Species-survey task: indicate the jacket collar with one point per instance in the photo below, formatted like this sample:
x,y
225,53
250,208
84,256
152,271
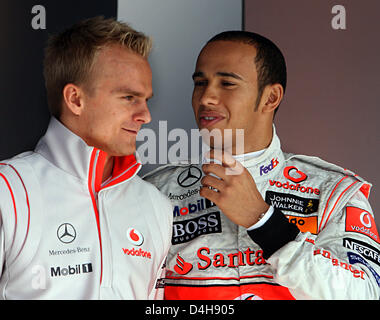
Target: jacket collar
x,y
268,163
70,153
264,165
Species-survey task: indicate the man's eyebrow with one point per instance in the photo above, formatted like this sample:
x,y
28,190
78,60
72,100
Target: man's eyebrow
x,y
128,91
125,90
200,74
229,74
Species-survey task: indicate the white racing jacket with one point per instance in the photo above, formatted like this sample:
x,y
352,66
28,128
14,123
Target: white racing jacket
x,y
64,235
320,243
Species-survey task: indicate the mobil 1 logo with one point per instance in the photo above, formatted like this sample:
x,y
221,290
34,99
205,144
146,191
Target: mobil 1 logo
x,y
70,270
192,207
187,230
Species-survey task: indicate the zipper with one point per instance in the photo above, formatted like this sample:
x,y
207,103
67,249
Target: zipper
x,y
94,198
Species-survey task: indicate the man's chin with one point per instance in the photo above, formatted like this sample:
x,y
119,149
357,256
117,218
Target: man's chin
x,y
127,153
118,152
213,137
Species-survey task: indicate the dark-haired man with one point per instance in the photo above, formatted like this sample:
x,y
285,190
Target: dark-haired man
x,y
265,224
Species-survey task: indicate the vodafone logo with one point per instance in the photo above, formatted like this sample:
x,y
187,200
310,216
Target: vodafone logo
x,y
295,175
135,237
361,221
365,219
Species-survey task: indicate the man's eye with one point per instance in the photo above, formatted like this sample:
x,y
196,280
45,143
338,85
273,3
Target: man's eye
x,y
228,84
129,98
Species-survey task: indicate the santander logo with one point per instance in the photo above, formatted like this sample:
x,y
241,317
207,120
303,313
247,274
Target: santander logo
x,y
248,296
182,267
135,237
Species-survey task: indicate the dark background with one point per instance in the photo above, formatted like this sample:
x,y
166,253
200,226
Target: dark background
x,y
331,105
24,114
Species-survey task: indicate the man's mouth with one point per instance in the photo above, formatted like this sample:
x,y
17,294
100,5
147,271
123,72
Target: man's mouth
x,y
209,119
131,131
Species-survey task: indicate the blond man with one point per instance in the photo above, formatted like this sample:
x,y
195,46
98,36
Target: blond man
x,y
76,222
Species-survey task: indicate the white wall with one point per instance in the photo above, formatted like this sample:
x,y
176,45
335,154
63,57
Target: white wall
x,y
179,29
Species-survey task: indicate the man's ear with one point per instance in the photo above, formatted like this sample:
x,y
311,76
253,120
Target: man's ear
x,y
73,98
272,97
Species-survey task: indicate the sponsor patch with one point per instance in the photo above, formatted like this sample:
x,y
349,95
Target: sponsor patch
x,y
266,169
182,267
305,224
355,258
234,259
137,253
183,196
296,187
295,175
361,221
135,236
206,259
70,270
187,230
337,263
189,176
192,207
367,251
289,202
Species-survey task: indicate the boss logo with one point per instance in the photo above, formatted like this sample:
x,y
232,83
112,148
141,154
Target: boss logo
x,y
186,230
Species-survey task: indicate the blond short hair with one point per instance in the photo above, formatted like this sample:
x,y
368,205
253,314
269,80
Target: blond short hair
x,y
69,56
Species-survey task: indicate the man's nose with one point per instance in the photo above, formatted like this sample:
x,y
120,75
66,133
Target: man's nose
x,y
209,96
143,115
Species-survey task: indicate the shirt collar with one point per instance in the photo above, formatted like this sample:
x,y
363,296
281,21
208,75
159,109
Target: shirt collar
x,y
67,151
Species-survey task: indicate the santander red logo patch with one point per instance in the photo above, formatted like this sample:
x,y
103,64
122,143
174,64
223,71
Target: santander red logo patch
x,y
135,237
182,267
295,175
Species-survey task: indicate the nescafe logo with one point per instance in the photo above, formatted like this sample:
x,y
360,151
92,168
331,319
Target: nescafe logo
x,y
135,236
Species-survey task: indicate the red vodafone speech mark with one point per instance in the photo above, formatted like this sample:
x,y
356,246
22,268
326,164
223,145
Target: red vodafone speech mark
x,y
134,236
295,172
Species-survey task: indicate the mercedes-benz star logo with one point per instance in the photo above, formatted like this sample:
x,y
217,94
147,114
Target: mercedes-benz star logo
x,y
66,233
189,177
